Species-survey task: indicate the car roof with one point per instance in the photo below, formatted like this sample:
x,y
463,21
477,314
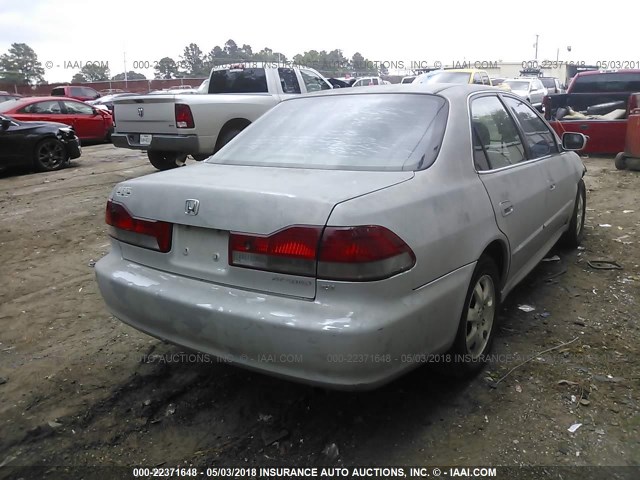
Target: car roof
x,y
464,70
26,100
447,90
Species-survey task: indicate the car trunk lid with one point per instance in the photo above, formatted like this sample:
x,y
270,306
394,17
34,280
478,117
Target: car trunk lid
x,y
252,200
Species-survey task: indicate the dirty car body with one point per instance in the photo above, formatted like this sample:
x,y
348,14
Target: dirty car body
x,y
338,236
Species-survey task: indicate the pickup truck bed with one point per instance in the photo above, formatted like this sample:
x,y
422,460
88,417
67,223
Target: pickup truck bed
x,y
605,136
597,104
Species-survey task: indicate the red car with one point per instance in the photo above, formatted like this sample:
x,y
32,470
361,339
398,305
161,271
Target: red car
x,y
88,122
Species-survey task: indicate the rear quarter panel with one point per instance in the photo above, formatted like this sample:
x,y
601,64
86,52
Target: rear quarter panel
x,y
444,213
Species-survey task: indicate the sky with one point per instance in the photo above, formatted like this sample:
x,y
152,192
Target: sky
x,y
65,33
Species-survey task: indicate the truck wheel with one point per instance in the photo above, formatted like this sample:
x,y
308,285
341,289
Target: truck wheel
x,y
166,160
621,161
226,137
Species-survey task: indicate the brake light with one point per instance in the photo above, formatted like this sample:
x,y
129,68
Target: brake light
x,y
368,252
292,250
361,253
152,234
184,118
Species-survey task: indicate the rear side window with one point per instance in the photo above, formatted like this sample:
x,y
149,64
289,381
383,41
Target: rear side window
x,y
241,80
49,107
58,91
607,82
288,80
539,139
495,137
344,132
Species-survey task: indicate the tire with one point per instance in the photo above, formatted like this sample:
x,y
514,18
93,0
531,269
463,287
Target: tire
x,y
166,160
478,319
226,137
621,161
50,155
200,158
574,235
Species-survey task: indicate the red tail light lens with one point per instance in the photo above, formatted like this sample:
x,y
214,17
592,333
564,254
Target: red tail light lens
x,y
151,234
184,118
369,252
340,253
292,250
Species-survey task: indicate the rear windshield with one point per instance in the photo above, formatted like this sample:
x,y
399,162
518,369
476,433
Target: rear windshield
x,y
344,132
245,80
408,80
517,85
58,91
607,82
449,77
548,82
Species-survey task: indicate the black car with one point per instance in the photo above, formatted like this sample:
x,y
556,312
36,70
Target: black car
x,y
47,146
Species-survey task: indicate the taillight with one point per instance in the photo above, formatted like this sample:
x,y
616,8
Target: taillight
x,y
184,118
144,233
292,250
359,253
368,252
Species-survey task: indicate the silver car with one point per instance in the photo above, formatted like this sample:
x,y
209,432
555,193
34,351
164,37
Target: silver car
x,y
349,235
531,89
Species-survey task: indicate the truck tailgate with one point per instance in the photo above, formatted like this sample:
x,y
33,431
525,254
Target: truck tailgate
x,y
145,114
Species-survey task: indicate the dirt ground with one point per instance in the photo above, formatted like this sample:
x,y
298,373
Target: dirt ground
x,y
78,387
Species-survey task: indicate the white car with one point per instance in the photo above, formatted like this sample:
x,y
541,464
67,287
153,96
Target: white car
x,y
531,89
368,82
348,235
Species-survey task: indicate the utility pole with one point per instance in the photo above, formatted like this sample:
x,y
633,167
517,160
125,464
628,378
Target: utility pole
x,y
124,55
537,47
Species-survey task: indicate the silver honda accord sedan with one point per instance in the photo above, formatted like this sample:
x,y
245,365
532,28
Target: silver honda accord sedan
x,y
347,235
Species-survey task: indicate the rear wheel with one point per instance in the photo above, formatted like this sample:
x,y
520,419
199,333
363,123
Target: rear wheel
x,y
166,160
573,236
621,161
478,320
50,155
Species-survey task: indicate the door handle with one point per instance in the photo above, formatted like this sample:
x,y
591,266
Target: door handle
x,y
507,208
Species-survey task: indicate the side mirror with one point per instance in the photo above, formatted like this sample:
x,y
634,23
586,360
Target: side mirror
x,y
6,123
573,141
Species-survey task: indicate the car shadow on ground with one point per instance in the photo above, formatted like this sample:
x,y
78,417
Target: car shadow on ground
x,y
237,412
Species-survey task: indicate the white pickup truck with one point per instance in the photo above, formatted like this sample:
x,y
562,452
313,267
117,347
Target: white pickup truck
x,y
171,127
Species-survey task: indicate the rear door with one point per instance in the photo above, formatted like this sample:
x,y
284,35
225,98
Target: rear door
x,y
86,123
516,186
540,143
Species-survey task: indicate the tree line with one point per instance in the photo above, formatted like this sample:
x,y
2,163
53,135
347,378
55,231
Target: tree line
x,y
20,65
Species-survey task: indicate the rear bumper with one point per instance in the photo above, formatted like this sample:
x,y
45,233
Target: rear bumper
x,y
345,342
167,143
